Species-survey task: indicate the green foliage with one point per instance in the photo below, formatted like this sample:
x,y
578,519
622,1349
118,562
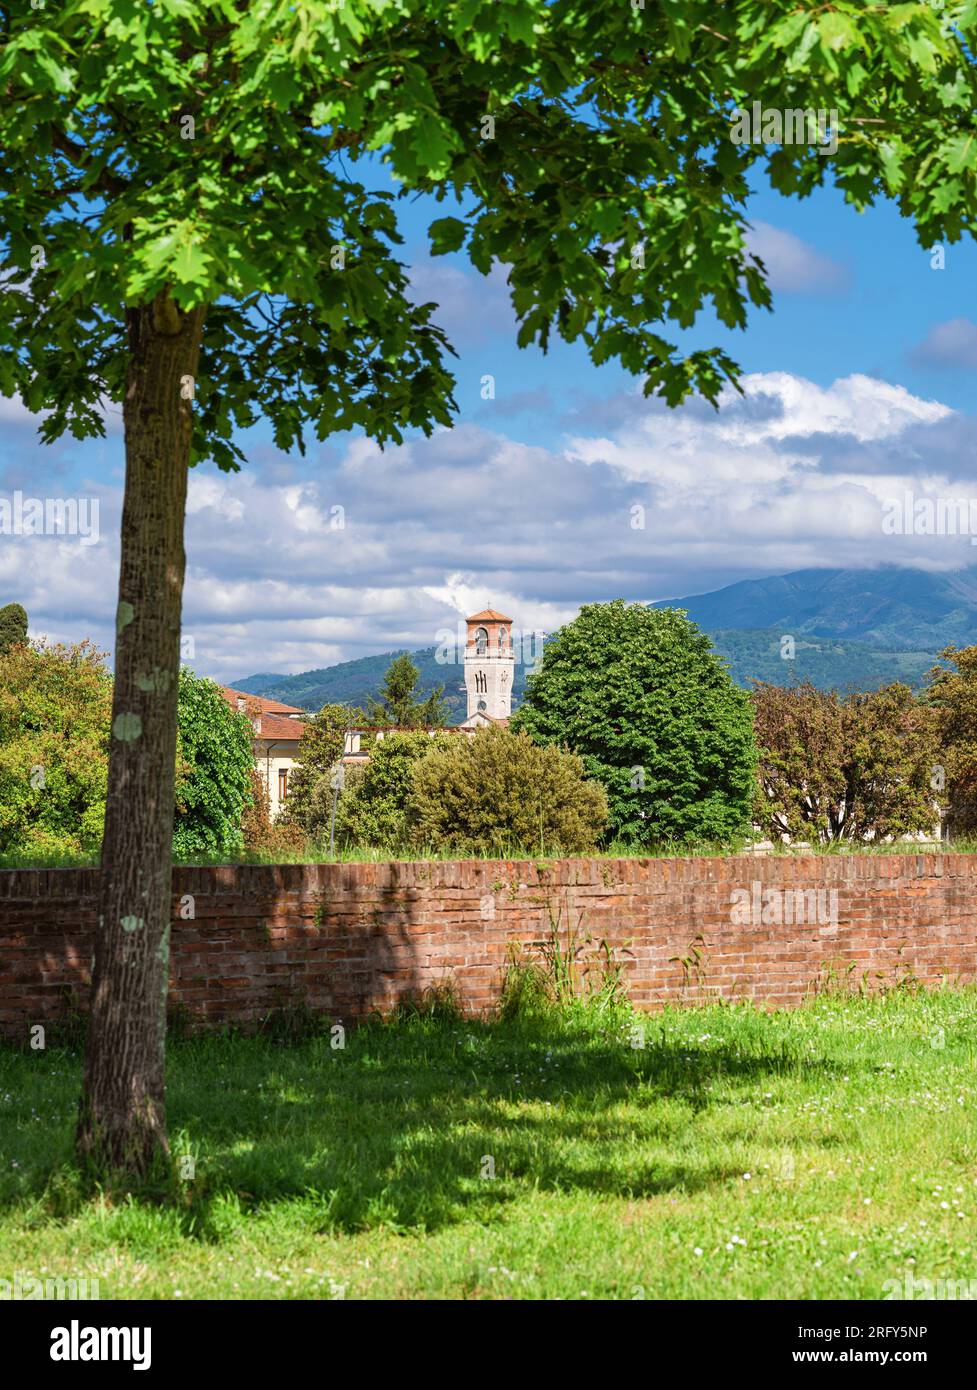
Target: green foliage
x,y
843,768
55,706
13,626
640,694
497,791
399,707
206,148
373,808
310,795
214,766
952,696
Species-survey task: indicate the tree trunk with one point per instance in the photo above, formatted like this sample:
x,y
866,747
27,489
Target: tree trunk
x,y
122,1123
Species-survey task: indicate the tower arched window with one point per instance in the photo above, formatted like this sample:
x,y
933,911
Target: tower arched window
x,y
481,640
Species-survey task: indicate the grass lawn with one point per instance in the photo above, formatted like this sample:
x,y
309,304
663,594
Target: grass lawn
x,y
810,1154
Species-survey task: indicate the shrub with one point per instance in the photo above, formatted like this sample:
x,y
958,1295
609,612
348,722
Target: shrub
x,y
260,834
498,791
373,807
55,707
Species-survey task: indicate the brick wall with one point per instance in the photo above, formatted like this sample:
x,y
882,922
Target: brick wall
x,y
344,939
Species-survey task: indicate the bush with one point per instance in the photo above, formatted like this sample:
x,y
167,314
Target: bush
x,y
261,835
651,708
55,708
373,808
497,792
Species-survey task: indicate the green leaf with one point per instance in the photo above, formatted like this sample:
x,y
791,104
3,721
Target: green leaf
x,y
447,234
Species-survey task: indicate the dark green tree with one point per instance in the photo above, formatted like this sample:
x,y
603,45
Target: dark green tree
x,y
195,228
215,759
399,706
13,626
642,696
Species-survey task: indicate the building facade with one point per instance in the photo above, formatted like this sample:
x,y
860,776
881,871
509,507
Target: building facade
x,y
489,669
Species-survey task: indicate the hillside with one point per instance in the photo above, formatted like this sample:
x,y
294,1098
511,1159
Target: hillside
x,y
853,629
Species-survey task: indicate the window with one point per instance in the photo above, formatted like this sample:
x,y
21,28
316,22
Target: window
x,y
282,783
481,640
481,683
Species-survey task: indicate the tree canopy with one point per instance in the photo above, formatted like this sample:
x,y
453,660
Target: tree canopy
x,y
844,767
640,694
13,626
225,154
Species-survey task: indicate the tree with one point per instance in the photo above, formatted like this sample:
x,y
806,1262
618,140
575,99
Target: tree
x,y
399,707
497,792
849,768
196,230
310,794
952,696
13,626
373,808
642,696
215,758
54,723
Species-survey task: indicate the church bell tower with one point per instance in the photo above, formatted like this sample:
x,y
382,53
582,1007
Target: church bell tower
x,y
489,666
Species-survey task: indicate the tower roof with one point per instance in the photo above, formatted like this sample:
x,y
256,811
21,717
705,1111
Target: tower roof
x,y
489,615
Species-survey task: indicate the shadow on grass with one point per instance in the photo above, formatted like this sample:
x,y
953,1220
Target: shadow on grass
x,y
415,1125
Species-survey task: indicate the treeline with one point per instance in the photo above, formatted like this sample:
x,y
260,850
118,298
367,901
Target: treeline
x,y
632,731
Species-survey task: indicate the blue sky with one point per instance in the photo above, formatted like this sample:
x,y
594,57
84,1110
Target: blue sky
x,y
859,386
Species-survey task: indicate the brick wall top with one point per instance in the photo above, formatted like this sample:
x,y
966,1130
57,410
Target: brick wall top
x,y
22,885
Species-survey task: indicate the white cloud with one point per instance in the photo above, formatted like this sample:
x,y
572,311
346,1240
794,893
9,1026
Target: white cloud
x,y
792,475
792,265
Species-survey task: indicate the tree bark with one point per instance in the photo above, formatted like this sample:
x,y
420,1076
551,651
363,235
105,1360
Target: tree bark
x,y
122,1123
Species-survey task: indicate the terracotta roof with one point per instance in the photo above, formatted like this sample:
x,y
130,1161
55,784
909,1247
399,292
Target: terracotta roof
x,y
489,615
276,729
258,702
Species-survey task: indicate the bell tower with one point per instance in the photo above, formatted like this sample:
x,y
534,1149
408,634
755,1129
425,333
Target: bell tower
x,y
489,665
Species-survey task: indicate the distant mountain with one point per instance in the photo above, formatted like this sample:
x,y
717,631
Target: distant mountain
x,y
852,630
894,609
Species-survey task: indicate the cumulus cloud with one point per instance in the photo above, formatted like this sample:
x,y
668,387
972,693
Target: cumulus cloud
x,y
381,550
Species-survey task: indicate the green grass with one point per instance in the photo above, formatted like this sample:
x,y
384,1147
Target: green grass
x,y
367,854
736,1154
